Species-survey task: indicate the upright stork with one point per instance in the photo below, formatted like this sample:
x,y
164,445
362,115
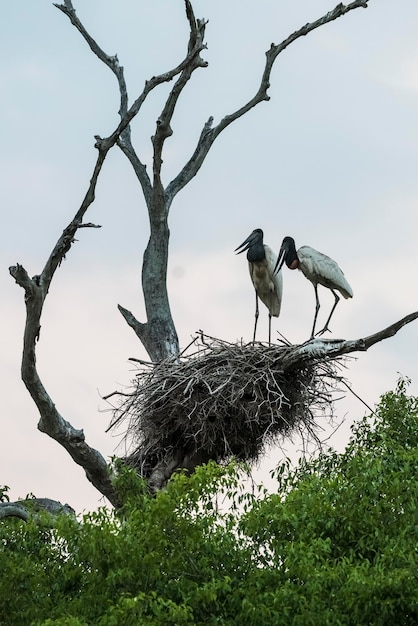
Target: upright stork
x,y
268,284
319,269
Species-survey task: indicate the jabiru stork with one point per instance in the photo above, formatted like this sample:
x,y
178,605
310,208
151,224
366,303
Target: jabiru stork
x,y
319,269
268,284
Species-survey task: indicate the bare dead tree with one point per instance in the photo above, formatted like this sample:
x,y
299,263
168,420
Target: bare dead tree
x,y
157,333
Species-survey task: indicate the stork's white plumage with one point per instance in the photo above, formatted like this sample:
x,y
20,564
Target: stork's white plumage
x,y
319,268
268,284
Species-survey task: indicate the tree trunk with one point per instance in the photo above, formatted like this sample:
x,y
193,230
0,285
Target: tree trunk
x,y
160,336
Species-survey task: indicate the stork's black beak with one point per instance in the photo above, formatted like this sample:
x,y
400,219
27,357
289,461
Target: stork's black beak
x,y
245,244
280,260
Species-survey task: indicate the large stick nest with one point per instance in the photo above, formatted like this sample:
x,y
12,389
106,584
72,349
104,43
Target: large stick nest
x,y
223,400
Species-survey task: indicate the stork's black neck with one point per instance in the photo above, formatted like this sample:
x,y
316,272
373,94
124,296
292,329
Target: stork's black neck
x,y
256,252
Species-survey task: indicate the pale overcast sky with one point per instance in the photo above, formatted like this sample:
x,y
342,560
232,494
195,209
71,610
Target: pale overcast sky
x,y
331,159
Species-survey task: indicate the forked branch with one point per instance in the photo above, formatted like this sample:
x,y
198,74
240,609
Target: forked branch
x,y
121,135
163,130
209,133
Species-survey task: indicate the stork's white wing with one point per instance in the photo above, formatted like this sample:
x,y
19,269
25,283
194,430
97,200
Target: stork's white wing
x,y
320,268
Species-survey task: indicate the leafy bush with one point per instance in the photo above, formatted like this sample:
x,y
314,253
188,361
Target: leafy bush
x,y
336,544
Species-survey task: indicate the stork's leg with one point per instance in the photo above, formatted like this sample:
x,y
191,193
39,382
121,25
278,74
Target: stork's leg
x,y
316,311
269,328
337,299
256,315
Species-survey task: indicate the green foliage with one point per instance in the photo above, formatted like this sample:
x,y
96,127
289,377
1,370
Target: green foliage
x,y
336,544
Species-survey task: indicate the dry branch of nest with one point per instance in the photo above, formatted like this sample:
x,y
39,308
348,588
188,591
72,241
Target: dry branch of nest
x,y
223,400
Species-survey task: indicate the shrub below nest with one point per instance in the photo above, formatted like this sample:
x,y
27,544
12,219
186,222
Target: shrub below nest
x,y
223,400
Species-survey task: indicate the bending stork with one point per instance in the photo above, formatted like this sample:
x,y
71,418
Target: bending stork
x,y
319,269
268,284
